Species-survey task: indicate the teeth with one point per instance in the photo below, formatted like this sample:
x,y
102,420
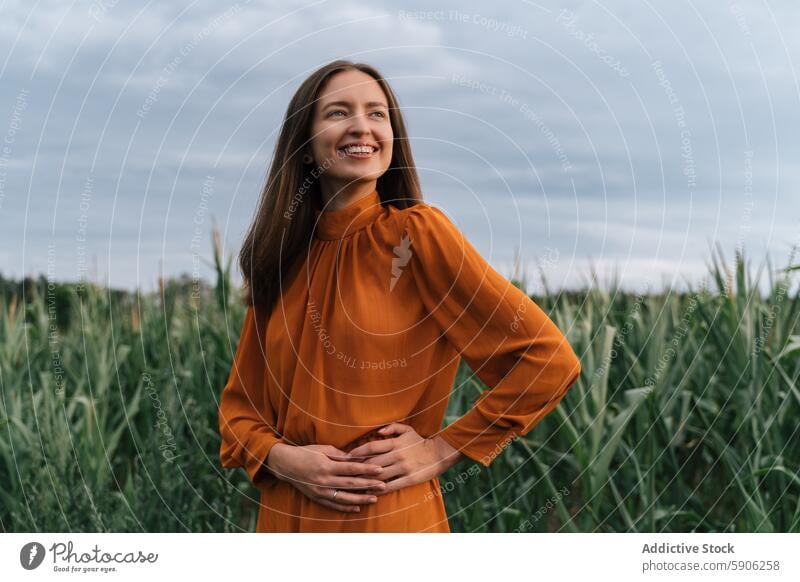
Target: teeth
x,y
358,149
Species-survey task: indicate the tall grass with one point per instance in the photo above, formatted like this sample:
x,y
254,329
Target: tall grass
x,y
684,418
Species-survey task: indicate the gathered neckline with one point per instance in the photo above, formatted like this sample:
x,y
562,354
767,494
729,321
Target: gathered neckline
x,y
336,224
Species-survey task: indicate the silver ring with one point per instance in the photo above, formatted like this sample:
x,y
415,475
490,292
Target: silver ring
x,y
335,491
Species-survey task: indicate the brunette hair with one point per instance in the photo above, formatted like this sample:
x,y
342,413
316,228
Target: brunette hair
x,y
282,227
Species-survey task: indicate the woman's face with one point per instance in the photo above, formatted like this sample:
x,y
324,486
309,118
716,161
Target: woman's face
x,y
352,109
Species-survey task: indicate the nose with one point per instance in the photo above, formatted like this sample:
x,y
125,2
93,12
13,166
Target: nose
x,y
359,124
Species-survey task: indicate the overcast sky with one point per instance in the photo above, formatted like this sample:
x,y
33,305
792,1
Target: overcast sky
x,y
608,135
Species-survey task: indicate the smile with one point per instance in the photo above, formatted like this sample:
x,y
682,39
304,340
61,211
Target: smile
x,y
358,152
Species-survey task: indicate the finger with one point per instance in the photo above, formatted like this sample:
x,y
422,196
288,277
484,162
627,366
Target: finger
x,y
339,506
324,496
337,457
383,460
372,448
336,454
391,472
353,468
370,490
350,498
351,483
396,484
395,428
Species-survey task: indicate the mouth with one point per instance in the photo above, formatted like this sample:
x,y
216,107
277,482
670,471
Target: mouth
x,y
359,151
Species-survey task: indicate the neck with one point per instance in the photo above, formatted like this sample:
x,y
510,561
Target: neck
x,y
335,197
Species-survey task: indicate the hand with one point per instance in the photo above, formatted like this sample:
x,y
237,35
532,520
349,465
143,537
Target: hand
x,y
317,470
407,459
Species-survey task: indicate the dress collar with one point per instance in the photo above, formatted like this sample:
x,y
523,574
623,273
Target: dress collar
x,y
336,224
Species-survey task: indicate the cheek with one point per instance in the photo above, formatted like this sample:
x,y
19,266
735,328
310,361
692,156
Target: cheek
x,y
388,142
323,137
314,139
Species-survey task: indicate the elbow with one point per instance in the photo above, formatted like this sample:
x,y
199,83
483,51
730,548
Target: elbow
x,y
229,454
229,446
573,368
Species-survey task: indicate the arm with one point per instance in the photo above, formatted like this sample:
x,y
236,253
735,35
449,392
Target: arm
x,y
449,455
246,419
507,340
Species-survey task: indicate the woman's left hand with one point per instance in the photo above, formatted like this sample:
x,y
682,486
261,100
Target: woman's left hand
x,y
408,458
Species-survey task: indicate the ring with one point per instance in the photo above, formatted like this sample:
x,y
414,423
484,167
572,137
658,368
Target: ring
x,y
335,491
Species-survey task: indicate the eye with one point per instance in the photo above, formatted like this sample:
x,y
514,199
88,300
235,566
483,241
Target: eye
x,y
381,113
330,113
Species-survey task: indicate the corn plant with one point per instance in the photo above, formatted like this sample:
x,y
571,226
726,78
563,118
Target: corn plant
x,y
683,419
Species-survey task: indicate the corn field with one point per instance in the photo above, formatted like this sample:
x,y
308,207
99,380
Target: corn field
x,y
685,417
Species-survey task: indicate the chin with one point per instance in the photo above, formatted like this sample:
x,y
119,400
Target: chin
x,y
362,175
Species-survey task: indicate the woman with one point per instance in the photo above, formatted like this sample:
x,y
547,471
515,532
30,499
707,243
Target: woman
x,y
361,301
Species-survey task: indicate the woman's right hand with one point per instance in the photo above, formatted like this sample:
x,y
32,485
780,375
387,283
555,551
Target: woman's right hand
x,y
319,470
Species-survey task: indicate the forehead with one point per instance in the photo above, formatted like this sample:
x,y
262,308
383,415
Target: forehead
x,y
351,86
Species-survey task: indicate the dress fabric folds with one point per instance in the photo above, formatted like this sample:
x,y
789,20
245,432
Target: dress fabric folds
x,y
371,331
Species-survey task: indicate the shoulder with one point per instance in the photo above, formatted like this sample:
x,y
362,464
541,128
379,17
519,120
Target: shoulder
x,y
423,220
430,235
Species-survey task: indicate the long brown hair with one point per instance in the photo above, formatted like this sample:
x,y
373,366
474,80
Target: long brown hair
x,y
281,229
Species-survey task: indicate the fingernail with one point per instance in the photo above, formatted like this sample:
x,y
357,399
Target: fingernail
x,y
358,509
373,499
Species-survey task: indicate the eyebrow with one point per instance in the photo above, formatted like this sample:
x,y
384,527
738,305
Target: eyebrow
x,y
347,103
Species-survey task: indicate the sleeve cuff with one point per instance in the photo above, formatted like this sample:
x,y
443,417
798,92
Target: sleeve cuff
x,y
256,457
475,438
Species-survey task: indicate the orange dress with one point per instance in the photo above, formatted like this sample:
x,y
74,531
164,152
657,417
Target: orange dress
x,y
371,331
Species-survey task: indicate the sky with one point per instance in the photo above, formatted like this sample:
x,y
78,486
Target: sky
x,y
618,138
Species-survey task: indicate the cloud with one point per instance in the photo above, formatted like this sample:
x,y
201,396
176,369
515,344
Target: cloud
x,y
522,114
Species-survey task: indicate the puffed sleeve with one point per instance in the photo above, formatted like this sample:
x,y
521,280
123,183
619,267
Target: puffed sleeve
x,y
246,418
506,338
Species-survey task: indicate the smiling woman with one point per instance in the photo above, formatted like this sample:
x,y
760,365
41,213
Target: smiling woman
x,y
362,299
351,136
